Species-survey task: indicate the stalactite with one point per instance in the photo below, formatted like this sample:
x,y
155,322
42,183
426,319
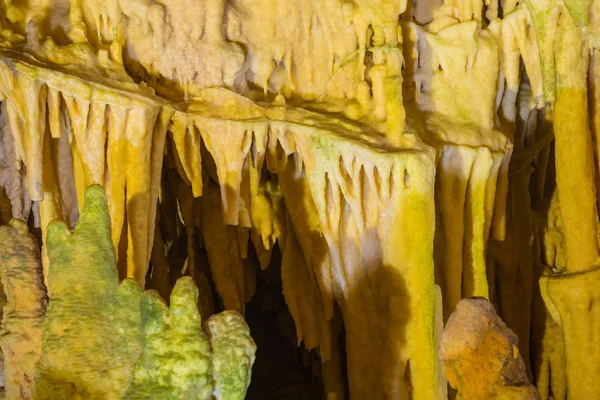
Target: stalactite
x,y
512,262
348,179
306,225
13,175
451,200
354,272
222,249
267,213
519,43
159,279
110,143
229,151
573,149
303,299
474,273
187,139
466,197
331,370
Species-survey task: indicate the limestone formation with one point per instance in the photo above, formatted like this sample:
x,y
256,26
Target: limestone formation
x,y
393,157
100,339
24,309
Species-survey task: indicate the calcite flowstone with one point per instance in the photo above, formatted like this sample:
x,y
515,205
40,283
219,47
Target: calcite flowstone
x,y
23,313
480,356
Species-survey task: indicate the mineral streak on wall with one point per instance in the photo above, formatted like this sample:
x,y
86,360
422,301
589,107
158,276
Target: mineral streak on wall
x,y
384,147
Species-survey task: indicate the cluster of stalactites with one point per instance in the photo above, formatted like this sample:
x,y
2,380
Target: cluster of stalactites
x,y
98,138
69,135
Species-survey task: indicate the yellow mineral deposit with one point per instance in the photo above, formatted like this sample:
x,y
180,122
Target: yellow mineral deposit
x,y
23,313
371,162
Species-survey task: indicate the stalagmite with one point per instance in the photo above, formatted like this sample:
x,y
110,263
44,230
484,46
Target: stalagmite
x,y
166,332
548,363
230,341
23,314
83,336
102,339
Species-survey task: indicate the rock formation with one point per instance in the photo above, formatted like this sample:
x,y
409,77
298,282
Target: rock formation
x,y
480,356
